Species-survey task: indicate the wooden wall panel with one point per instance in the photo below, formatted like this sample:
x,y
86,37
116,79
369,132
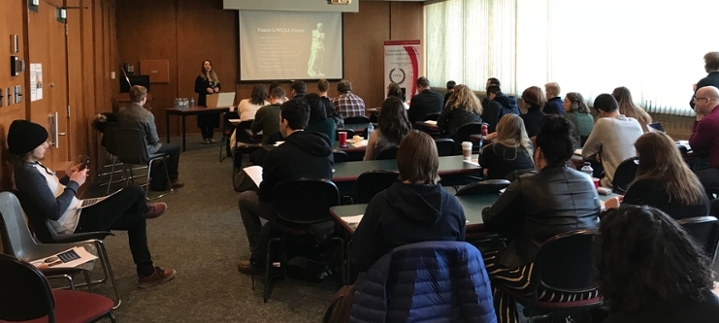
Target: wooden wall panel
x,y
406,20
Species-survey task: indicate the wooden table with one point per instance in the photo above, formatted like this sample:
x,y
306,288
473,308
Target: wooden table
x,y
449,165
472,205
191,112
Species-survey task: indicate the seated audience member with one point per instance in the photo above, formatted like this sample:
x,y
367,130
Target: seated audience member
x,y
322,87
136,116
491,82
711,66
612,138
652,270
415,210
705,133
576,111
248,107
54,199
267,117
348,104
554,101
629,109
319,121
533,100
534,208
664,180
450,89
298,89
393,126
304,154
511,149
497,105
462,108
394,91
273,85
425,102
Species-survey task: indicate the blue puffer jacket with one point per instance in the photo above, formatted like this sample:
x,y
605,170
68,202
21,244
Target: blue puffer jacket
x,y
434,281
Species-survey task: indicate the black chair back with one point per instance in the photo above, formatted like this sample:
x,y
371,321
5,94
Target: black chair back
x,y
305,200
564,263
490,186
445,146
340,156
26,294
356,119
108,137
624,175
372,182
705,229
131,148
241,135
387,153
463,133
350,133
430,116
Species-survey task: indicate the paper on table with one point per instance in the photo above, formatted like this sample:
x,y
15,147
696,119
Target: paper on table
x,y
578,152
353,219
430,122
359,143
255,173
69,258
234,120
277,143
474,162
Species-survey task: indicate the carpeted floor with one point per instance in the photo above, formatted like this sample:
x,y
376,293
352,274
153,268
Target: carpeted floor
x,y
202,237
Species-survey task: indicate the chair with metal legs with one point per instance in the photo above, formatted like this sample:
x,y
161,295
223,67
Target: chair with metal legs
x,y
131,150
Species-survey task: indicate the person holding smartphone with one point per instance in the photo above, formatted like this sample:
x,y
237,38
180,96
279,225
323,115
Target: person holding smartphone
x,y
207,83
43,194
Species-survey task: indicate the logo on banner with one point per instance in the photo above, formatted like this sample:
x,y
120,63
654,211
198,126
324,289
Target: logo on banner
x,y
401,74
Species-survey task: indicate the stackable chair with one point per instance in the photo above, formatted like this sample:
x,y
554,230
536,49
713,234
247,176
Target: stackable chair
x,y
131,150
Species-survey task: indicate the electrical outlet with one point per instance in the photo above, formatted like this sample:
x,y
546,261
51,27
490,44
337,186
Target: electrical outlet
x,y
7,95
18,93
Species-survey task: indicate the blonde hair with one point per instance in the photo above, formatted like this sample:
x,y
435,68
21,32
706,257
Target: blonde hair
x,y
417,158
512,133
212,75
463,97
629,109
660,159
137,93
553,89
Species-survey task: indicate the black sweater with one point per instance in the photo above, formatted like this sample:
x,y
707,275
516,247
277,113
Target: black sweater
x,y
304,154
652,192
404,214
501,160
532,119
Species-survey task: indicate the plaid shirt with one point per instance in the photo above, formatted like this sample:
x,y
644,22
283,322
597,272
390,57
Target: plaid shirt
x,y
349,104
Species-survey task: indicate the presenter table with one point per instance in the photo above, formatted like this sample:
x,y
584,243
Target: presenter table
x,y
191,112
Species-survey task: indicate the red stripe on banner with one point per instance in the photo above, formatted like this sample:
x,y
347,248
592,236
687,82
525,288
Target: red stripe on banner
x,y
401,42
415,67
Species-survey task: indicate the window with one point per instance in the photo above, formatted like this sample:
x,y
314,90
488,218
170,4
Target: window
x,y
654,48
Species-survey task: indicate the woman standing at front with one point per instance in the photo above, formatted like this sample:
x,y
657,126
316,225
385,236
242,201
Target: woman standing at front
x,y
207,83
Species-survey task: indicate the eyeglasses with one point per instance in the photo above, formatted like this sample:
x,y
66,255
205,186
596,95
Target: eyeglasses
x,y
697,99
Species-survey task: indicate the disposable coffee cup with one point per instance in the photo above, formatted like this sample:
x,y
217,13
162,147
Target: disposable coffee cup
x,y
467,150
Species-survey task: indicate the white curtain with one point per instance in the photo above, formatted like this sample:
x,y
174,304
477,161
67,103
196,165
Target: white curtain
x,y
654,48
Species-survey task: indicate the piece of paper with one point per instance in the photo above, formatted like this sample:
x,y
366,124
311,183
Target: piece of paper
x,y
255,173
93,201
277,143
431,122
353,219
69,258
360,143
578,152
502,191
474,162
234,120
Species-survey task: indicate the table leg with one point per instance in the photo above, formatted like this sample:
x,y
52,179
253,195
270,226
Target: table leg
x,y
167,123
183,133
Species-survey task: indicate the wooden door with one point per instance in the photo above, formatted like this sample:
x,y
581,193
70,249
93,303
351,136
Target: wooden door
x,y
48,47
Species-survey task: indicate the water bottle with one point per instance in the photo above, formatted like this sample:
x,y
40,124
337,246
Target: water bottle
x,y
177,104
587,169
370,128
184,104
192,103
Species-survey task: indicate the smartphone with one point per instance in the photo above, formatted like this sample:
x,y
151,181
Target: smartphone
x,y
84,161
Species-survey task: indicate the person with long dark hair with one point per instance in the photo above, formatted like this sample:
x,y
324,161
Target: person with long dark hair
x,y
576,111
248,107
664,180
393,126
320,121
534,208
207,83
393,90
652,270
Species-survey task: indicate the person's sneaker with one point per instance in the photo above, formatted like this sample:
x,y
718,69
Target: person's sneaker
x,y
212,140
155,210
206,141
158,277
177,184
249,267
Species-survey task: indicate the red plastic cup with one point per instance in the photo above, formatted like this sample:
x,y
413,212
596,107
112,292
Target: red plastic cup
x,y
596,182
343,138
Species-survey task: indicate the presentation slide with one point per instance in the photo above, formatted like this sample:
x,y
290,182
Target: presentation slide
x,y
281,45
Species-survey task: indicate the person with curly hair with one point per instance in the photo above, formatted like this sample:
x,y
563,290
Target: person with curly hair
x,y
652,270
463,107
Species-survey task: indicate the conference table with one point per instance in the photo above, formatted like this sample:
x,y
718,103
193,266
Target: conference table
x,y
189,112
472,205
350,149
